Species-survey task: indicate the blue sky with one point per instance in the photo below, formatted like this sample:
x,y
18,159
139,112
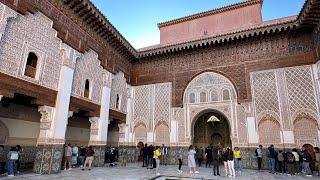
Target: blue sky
x,y
137,19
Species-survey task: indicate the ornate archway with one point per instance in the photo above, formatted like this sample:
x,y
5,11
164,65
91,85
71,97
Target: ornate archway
x,y
211,127
211,92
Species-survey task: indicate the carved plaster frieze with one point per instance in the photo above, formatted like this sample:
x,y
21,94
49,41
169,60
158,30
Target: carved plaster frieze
x,y
46,117
122,128
94,129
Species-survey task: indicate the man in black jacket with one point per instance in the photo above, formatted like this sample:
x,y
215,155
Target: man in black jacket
x,y
215,158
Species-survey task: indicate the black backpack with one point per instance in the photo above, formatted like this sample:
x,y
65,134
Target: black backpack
x,y
256,152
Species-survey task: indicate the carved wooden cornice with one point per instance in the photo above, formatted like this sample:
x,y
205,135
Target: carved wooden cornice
x,y
10,85
310,13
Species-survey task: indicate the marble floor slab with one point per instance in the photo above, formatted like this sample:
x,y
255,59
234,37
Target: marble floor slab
x,y
136,172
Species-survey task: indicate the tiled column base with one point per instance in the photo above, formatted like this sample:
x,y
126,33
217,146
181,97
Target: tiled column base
x,y
99,152
48,159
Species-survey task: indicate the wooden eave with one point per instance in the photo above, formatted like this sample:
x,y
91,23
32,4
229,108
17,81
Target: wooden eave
x,y
310,14
96,20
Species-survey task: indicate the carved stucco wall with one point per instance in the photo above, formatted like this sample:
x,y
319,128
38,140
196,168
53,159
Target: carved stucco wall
x,y
151,109
88,67
119,87
282,95
219,95
29,33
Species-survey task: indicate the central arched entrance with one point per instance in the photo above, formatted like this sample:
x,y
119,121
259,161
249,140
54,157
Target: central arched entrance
x,y
211,128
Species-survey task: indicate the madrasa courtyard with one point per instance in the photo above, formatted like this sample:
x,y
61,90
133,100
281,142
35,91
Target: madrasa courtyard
x,y
74,91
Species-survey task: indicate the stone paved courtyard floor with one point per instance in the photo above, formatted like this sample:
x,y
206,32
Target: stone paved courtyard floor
x,y
136,172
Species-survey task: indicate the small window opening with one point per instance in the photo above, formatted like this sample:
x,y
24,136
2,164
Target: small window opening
x,y
31,66
87,89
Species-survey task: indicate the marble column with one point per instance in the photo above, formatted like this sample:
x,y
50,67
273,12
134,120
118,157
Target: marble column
x,y
49,149
99,125
53,122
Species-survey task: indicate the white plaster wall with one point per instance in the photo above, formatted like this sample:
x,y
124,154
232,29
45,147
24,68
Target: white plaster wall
x,y
21,132
26,132
77,135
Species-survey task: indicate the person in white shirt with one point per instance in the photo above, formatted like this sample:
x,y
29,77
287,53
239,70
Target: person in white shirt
x,y
297,161
75,154
164,156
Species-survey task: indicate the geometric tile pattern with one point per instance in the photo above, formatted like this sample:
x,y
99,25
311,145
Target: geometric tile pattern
x,y
162,103
265,94
300,90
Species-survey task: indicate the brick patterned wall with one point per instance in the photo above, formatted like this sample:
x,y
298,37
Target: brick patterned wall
x,y
31,33
88,67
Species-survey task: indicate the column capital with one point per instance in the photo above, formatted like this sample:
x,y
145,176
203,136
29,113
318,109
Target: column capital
x,y
46,117
94,128
70,114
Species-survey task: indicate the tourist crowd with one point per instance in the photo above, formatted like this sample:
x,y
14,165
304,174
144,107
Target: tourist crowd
x,y
290,162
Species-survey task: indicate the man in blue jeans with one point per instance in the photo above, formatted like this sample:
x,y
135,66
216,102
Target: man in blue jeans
x,y
12,158
272,159
306,157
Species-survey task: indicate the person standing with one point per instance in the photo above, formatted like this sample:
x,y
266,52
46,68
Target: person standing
x,y
124,157
12,157
75,154
290,163
237,159
272,158
157,156
137,153
82,152
296,163
199,156
89,158
231,162
259,155
145,155
179,155
18,161
208,154
306,158
280,159
2,160
225,155
164,155
317,151
67,156
191,160
215,159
